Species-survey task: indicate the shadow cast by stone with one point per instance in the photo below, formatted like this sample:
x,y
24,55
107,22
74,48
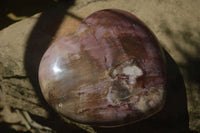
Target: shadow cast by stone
x,y
185,43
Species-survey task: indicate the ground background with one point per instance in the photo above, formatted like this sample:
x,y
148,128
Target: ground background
x,y
175,23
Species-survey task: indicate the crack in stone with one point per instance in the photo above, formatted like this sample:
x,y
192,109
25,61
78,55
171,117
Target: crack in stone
x,y
15,77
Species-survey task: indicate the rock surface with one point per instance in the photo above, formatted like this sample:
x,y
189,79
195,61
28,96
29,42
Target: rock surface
x,y
175,23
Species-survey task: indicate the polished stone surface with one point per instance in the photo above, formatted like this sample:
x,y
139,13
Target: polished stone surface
x,y
110,72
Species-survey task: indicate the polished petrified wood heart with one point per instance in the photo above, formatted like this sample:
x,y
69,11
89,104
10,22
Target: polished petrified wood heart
x,y
110,72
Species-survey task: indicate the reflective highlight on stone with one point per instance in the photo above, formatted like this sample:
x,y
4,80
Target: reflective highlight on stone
x,y
109,73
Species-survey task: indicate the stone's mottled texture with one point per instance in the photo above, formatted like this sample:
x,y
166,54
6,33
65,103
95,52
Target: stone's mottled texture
x,y
110,72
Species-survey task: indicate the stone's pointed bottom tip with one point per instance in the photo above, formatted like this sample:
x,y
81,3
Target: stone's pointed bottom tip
x,y
108,74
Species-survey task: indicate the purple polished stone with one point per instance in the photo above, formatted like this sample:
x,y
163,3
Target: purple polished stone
x,y
110,72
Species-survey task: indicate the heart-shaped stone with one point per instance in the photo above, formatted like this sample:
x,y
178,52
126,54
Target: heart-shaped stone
x,y
110,72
